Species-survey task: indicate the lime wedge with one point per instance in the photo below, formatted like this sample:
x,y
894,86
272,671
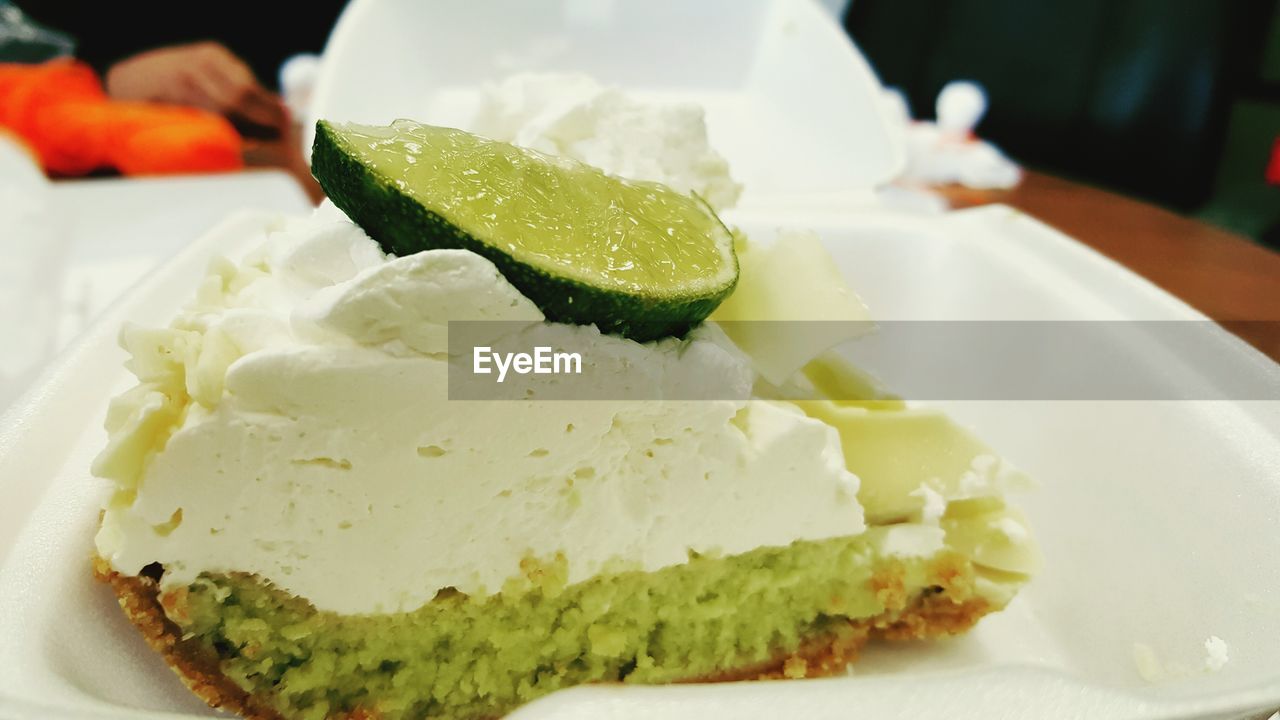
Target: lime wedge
x,y
633,258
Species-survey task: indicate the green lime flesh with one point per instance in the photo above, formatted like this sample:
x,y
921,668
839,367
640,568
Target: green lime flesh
x,y
635,258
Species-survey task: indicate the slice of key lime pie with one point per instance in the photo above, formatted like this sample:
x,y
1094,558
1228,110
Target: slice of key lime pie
x,y
305,524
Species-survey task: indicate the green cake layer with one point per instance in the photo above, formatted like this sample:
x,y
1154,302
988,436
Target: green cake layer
x,y
462,657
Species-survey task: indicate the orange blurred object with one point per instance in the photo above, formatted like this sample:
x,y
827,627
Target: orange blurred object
x,y
61,110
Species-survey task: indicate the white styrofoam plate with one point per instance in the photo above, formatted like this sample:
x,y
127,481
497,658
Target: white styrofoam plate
x,y
789,101
1157,519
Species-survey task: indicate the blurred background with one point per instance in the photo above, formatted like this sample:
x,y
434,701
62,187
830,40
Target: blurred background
x,y
1173,101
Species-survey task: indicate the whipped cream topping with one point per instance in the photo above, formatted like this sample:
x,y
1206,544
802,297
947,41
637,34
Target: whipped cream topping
x,y
294,422
575,116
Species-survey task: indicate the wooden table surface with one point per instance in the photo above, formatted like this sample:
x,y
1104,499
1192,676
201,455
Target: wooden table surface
x,y
1223,275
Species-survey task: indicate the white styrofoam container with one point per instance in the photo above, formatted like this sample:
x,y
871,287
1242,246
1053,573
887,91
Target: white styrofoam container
x,y
1157,519
790,102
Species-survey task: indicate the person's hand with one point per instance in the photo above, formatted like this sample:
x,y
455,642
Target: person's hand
x,y
205,75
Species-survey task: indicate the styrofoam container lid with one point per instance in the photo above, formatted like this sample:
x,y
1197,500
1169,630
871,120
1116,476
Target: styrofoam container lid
x,y
790,102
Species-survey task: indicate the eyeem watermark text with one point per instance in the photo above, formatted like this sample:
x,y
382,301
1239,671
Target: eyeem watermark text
x,y
542,361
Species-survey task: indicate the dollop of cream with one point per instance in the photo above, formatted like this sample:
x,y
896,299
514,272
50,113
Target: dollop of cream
x,y
575,116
